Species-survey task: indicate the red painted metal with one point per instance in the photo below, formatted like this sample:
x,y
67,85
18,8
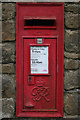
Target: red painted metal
x,y
39,95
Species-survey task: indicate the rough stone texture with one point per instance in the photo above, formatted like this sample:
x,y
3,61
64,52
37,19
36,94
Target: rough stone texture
x,y
9,84
71,80
0,87
71,64
8,68
71,20
0,11
0,68
0,108
71,103
8,30
0,31
0,53
69,117
7,108
8,52
79,64
74,8
71,41
8,11
79,103
71,55
79,20
40,1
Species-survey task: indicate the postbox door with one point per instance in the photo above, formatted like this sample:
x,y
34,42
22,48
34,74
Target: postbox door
x,y
39,74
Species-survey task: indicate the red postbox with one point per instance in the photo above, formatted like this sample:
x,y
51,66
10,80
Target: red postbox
x,y
39,59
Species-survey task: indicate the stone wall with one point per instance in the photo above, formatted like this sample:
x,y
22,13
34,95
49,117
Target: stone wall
x,y
8,59
71,61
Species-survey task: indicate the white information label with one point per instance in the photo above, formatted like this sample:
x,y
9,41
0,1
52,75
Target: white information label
x,y
39,59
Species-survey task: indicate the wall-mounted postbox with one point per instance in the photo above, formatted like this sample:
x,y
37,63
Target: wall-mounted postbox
x,y
39,58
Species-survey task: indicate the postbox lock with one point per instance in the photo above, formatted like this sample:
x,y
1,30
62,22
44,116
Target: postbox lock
x,y
30,80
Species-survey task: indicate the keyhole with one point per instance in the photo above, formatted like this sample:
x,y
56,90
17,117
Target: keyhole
x,y
30,79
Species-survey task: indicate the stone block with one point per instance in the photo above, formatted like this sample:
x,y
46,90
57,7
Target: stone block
x,y
0,68
71,103
8,52
79,104
8,107
71,20
8,68
71,80
8,11
71,117
74,8
0,31
8,86
71,41
0,87
71,64
71,55
8,30
0,109
0,11
0,53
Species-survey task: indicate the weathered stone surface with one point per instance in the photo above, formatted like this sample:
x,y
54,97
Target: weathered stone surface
x,y
0,53
74,8
0,11
8,11
0,22
79,21
71,80
0,87
71,64
40,1
71,55
79,104
0,108
7,108
8,68
71,103
71,41
8,30
71,117
0,68
8,52
0,31
8,86
71,20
